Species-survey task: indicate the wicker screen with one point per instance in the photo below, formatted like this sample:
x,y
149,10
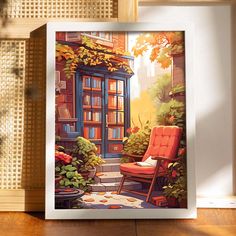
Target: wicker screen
x,y
22,114
12,84
34,133
60,9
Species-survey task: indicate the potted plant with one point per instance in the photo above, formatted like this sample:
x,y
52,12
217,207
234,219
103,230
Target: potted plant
x,y
85,154
136,144
176,188
66,174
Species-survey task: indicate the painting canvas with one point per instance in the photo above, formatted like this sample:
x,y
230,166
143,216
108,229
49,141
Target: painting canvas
x,y
120,122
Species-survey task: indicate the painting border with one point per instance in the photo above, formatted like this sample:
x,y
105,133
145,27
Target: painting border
x,y
50,211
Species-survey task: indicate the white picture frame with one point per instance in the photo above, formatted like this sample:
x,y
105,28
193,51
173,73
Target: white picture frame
x,y
51,212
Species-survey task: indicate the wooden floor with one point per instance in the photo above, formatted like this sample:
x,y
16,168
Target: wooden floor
x,y
210,222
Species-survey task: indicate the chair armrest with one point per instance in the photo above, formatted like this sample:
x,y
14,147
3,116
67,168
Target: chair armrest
x,y
161,158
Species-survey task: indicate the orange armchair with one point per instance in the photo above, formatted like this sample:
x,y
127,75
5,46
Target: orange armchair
x,y
163,147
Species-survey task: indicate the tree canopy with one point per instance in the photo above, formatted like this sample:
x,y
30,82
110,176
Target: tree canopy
x,y
163,46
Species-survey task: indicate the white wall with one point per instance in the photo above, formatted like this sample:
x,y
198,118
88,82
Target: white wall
x,y
213,100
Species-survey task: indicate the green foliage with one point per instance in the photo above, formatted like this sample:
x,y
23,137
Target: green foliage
x,y
91,54
71,177
177,181
137,142
161,88
171,113
124,160
85,154
179,88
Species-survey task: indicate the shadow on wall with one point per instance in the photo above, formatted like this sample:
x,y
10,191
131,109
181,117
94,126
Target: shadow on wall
x,y
214,93
4,21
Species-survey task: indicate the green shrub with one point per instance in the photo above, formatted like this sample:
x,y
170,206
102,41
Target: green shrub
x,y
85,153
138,140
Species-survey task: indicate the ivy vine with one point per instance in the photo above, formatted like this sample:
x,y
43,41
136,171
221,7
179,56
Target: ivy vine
x,y
91,54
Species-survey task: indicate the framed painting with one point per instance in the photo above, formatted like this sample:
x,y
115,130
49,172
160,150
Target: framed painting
x,y
120,121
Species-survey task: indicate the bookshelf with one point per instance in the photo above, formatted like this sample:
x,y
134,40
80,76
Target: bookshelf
x,y
92,109
103,110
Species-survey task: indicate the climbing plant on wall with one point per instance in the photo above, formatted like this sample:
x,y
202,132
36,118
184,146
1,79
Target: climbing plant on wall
x,y
91,54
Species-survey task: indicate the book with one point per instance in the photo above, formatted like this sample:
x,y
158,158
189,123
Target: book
x,y
86,99
149,162
63,111
144,164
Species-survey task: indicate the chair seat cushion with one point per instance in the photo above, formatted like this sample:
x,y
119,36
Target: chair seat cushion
x,y
135,169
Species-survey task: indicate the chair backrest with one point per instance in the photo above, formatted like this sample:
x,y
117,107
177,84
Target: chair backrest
x,y
164,141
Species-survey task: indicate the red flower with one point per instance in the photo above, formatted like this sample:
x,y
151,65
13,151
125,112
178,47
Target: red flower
x,y
135,129
61,156
181,151
174,173
171,119
129,130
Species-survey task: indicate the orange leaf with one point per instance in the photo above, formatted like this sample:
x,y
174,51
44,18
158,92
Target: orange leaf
x,y
114,207
103,200
89,200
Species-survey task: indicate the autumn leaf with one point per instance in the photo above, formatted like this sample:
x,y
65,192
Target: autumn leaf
x,y
162,46
114,207
89,200
103,201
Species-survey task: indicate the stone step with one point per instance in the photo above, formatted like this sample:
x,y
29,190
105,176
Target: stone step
x,y
109,167
106,187
112,160
108,177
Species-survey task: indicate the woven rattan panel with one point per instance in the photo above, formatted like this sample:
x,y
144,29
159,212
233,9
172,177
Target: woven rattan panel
x,y
34,120
60,9
12,83
22,113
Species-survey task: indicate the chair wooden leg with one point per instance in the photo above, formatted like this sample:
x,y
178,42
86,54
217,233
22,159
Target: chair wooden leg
x,y
150,189
121,184
153,182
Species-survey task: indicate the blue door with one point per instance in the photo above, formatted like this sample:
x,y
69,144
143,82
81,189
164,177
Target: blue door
x,y
102,108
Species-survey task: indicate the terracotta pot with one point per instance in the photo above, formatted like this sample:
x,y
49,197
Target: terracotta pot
x,y
57,180
85,174
92,173
172,202
183,203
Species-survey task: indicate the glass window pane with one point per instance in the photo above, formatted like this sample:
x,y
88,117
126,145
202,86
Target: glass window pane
x,y
120,87
112,102
121,103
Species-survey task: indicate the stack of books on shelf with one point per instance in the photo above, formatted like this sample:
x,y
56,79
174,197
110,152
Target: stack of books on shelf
x,y
92,82
120,102
92,132
111,101
112,118
116,133
120,87
96,100
95,116
112,86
